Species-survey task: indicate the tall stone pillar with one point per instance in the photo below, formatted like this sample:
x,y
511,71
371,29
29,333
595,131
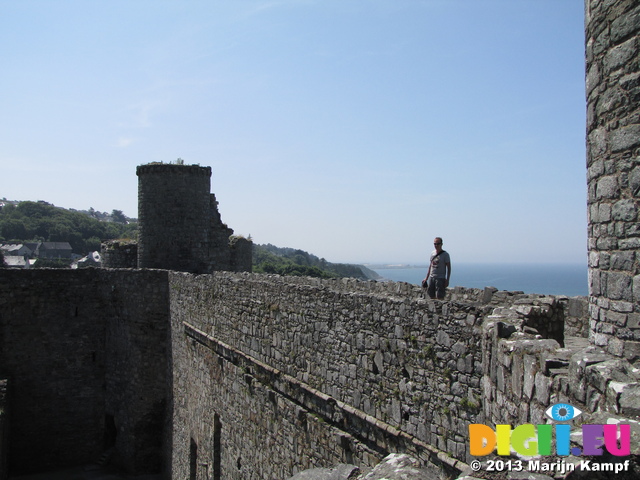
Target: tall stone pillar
x,y
613,163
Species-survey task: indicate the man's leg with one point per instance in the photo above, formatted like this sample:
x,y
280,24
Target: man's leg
x,y
441,290
431,289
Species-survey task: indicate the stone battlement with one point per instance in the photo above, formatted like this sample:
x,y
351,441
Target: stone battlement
x,y
173,169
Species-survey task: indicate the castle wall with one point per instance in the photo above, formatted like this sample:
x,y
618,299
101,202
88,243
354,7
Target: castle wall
x,y
613,161
85,353
525,373
276,355
232,421
136,366
292,373
53,352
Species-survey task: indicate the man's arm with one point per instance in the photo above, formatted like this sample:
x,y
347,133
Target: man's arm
x,y
428,273
448,267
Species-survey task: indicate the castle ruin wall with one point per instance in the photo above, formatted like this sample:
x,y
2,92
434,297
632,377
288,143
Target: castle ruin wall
x,y
179,225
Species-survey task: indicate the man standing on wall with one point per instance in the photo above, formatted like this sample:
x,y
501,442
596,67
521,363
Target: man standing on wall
x,y
439,273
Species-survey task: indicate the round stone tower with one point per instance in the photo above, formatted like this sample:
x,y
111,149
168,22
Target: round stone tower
x,y
613,162
174,215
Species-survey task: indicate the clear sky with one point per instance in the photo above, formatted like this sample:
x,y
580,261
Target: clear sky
x,y
357,130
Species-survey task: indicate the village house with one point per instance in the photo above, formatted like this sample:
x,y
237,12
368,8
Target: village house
x,y
37,249
54,250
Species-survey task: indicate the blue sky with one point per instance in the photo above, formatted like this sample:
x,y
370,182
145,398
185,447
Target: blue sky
x,y
356,130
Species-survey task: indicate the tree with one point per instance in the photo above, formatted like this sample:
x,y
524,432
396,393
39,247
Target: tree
x,y
13,229
118,217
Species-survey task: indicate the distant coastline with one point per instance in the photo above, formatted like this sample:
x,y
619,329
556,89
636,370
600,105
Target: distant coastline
x,y
550,279
387,266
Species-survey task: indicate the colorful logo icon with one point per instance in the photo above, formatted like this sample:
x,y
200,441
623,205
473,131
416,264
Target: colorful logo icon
x,y
563,412
531,440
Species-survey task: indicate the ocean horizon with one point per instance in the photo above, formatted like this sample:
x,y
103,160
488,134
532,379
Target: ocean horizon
x,y
549,279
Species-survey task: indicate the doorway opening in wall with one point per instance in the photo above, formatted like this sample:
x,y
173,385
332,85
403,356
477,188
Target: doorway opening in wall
x,y
217,447
193,460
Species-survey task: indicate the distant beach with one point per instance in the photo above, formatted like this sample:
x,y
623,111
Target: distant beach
x,y
569,279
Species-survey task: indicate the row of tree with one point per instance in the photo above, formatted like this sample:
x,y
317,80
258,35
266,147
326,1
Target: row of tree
x,y
41,221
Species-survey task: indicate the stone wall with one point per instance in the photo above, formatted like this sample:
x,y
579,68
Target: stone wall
x,y
392,370
389,368
335,371
219,235
575,312
85,352
613,161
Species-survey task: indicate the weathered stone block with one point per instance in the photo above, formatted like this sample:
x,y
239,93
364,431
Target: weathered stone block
x,y
629,243
619,286
543,384
616,318
636,289
622,260
625,138
630,400
634,179
631,351
598,146
607,187
599,374
530,370
620,55
624,210
625,25
610,100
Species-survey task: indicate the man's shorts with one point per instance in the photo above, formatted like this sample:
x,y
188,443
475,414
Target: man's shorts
x,y
436,288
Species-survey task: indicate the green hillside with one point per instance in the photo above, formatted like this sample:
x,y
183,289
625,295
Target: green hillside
x,y
289,261
41,221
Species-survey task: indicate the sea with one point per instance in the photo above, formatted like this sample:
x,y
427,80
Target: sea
x,y
560,279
